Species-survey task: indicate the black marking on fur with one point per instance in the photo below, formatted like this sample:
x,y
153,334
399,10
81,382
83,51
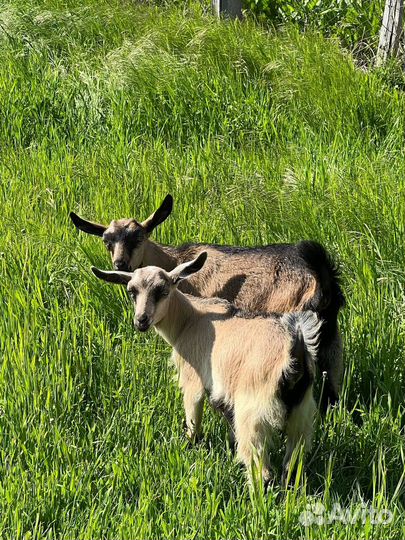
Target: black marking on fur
x,y
160,214
160,292
130,238
87,226
225,409
288,251
296,381
329,297
256,314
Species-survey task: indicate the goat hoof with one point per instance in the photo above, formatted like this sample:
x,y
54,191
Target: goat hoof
x,y
193,438
268,477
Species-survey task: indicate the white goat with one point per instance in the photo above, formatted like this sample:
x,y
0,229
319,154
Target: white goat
x,y
257,370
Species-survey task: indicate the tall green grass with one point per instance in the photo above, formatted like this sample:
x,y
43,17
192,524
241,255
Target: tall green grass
x,y
261,137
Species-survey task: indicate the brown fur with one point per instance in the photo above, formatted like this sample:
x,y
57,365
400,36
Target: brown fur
x,y
253,283
256,280
251,279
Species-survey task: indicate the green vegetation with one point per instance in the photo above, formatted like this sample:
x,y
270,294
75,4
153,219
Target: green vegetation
x,y
355,22
105,107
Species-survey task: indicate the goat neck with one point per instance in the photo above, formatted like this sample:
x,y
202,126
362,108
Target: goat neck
x,y
158,255
179,316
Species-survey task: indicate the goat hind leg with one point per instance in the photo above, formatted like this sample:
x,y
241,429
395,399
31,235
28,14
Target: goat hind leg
x,y
250,435
330,360
299,429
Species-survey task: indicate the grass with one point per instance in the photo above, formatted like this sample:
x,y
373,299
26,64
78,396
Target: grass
x,y
261,137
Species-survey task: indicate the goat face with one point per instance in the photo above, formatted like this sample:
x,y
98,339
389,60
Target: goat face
x,y
125,239
151,288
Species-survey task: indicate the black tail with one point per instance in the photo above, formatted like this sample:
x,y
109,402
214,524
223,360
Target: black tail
x,y
329,296
327,302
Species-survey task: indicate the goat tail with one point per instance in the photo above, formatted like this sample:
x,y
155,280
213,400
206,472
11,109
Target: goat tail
x,y
304,328
309,329
329,297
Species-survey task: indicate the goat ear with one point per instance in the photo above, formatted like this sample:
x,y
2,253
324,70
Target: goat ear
x,y
185,270
162,213
87,226
122,278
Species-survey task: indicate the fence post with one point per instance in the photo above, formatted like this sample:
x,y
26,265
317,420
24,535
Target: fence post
x,y
391,29
228,8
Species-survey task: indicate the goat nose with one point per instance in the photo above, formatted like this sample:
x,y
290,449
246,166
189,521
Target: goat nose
x,y
142,323
120,265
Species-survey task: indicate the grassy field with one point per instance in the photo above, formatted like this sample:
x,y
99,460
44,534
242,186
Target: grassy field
x,y
105,107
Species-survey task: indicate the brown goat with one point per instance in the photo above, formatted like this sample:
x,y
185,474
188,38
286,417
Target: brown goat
x,y
276,278
257,370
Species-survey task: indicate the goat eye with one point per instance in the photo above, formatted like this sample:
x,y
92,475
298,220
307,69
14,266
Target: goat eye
x,y
109,246
133,294
160,293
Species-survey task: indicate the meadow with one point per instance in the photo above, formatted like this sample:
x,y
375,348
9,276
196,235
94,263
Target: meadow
x,y
261,136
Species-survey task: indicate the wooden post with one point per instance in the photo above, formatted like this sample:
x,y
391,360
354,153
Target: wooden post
x,y
391,29
228,8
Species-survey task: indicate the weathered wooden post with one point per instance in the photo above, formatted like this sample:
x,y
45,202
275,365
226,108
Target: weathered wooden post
x,y
390,30
228,8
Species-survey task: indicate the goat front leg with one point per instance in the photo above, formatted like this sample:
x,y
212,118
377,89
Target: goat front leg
x,y
193,399
193,407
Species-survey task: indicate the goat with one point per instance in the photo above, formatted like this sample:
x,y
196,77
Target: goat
x,y
258,370
274,278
